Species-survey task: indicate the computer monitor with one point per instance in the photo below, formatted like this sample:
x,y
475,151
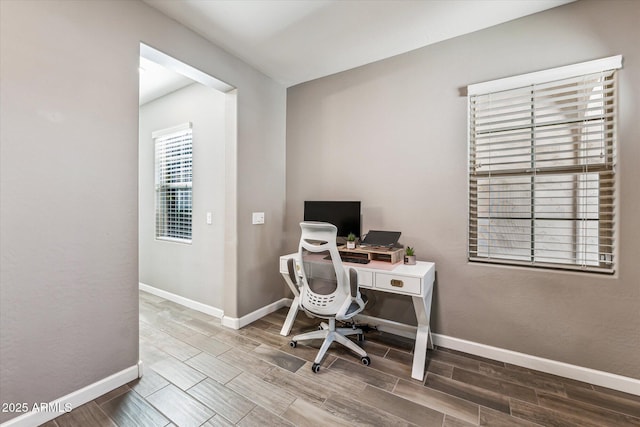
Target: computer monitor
x,y
344,215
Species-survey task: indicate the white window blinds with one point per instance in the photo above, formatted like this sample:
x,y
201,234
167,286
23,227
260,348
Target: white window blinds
x,y
173,182
542,168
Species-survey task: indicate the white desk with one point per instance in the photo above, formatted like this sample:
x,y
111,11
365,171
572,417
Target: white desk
x,y
415,281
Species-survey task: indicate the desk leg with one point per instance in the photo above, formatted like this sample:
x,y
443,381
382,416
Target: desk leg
x,y
293,310
420,355
291,317
424,340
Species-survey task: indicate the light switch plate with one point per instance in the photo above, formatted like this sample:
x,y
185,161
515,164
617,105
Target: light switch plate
x,y
258,218
209,218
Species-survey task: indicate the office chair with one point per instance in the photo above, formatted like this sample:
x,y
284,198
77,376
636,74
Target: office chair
x,y
326,291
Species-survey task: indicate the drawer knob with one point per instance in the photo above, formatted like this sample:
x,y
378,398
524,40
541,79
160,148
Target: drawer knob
x,y
397,283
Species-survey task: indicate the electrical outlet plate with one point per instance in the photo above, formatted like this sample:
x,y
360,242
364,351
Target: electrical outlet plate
x,y
258,218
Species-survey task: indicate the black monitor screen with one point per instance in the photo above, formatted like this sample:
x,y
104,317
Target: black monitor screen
x,y
344,215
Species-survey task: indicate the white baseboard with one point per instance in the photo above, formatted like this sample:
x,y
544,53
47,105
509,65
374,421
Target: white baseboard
x,y
237,323
228,321
50,410
591,376
195,305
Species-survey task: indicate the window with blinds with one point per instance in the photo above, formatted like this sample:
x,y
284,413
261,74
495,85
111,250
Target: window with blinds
x,y
173,183
542,168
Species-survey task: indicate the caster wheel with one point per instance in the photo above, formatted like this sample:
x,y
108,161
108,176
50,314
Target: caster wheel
x,y
366,361
315,368
293,344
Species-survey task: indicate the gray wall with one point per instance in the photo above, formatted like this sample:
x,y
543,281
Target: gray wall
x,y
393,134
69,194
195,270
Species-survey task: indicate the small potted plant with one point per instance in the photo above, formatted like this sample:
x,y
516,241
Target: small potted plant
x,y
351,241
409,256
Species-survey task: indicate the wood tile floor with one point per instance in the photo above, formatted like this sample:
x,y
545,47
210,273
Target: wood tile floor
x,y
198,373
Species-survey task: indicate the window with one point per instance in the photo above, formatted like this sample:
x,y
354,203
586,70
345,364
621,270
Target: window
x,y
542,168
173,169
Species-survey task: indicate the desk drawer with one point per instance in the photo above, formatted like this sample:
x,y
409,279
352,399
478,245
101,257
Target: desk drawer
x,y
285,269
283,266
365,279
399,284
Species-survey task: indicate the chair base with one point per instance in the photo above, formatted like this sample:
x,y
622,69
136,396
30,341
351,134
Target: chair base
x,y
330,333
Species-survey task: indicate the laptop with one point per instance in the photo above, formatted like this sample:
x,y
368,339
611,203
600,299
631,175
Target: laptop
x,y
386,239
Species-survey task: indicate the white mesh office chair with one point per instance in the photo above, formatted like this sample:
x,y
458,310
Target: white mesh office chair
x,y
327,292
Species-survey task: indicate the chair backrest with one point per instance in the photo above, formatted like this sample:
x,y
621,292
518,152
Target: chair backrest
x,y
325,284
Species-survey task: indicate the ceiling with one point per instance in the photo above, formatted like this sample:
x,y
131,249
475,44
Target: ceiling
x,y
294,41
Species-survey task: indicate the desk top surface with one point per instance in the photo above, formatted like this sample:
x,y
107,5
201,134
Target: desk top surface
x,y
421,268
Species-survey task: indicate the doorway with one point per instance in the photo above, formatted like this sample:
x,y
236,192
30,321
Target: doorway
x,y
174,95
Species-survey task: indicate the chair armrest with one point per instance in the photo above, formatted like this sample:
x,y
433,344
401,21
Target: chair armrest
x,y
293,275
353,282
347,310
